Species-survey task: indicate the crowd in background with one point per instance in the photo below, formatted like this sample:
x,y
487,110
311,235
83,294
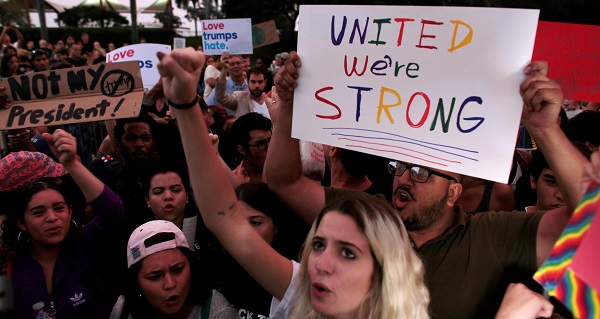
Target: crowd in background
x,y
200,206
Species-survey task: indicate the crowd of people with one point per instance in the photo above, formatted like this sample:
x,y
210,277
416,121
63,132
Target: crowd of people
x,y
200,207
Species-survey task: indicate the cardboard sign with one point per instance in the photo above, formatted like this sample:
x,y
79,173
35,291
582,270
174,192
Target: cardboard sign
x,y
573,55
84,94
145,54
227,35
264,34
434,86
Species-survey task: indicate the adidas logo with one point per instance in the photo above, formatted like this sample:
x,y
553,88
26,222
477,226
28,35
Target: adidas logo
x,y
77,297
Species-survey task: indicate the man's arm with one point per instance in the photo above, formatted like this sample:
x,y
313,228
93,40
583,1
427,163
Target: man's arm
x,y
283,167
542,101
209,77
227,100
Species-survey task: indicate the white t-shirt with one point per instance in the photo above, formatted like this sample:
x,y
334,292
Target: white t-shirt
x,y
280,308
261,109
210,72
189,230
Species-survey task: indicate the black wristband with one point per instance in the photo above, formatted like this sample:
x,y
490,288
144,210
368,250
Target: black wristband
x,y
184,106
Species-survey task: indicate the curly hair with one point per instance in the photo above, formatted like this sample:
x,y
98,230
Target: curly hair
x,y
398,289
13,241
16,211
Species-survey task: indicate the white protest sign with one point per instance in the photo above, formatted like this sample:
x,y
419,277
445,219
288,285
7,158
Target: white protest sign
x,y
227,35
434,86
145,53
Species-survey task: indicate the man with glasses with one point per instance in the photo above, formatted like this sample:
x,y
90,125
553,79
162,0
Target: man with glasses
x,y
252,135
469,259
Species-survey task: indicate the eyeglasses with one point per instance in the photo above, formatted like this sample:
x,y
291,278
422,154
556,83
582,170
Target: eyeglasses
x,y
417,173
262,145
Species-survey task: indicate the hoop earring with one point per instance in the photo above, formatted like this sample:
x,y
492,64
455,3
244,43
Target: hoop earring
x,y
19,238
74,223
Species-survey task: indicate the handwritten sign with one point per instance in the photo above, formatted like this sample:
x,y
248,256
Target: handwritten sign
x,y
573,55
435,86
84,94
145,54
227,35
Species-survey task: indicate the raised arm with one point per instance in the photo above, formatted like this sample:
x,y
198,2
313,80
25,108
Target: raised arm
x,y
20,38
542,101
64,147
283,166
224,98
214,195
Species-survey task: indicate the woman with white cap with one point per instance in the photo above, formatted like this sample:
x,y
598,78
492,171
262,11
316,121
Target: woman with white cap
x,y
165,280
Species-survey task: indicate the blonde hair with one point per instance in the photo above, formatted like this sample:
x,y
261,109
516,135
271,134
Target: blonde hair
x,y
398,289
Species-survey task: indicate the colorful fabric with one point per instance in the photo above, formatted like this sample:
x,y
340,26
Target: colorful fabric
x,y
555,274
20,168
524,140
576,295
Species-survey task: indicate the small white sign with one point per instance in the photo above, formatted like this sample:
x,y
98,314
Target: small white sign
x,y
233,36
178,43
145,54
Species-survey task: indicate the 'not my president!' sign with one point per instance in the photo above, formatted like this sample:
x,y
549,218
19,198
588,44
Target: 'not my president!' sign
x,y
433,86
84,94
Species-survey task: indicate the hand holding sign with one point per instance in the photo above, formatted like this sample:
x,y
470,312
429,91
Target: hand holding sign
x,y
520,302
542,98
225,61
286,78
4,99
63,146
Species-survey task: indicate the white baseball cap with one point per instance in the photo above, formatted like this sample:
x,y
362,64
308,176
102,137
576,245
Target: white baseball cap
x,y
138,248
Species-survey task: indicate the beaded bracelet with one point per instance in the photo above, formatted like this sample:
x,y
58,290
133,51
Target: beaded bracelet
x,y
184,106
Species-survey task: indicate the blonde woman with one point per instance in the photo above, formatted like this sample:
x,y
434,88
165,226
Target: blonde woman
x,y
395,280
357,261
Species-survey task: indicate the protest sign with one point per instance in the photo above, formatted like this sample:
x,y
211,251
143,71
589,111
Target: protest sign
x,y
145,54
227,35
435,86
573,55
264,33
84,94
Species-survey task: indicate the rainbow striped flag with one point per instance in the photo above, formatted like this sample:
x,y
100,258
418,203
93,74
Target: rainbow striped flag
x,y
557,275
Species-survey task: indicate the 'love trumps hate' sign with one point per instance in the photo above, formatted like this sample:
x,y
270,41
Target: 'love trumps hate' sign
x,y
435,86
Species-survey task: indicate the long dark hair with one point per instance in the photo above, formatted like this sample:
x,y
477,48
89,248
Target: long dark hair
x,y
11,241
291,229
4,72
139,307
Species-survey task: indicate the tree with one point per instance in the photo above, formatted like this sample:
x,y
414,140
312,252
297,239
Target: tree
x,y
13,11
199,13
81,16
168,19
